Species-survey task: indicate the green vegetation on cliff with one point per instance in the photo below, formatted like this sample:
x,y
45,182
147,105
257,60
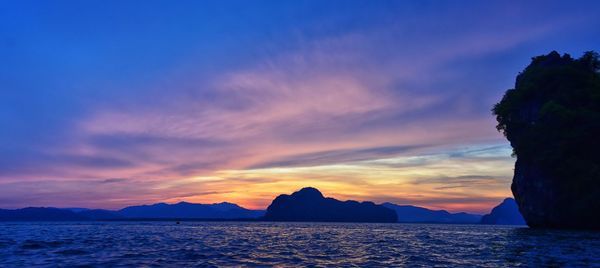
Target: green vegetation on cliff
x,y
552,120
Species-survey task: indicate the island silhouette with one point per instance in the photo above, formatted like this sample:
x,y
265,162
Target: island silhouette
x,y
308,204
507,213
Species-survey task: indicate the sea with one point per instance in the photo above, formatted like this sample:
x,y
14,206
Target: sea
x,y
265,244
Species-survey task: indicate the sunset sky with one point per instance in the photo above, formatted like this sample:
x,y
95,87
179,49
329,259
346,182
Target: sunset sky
x,y
106,104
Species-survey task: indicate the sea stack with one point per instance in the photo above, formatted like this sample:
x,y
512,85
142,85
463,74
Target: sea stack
x,y
552,120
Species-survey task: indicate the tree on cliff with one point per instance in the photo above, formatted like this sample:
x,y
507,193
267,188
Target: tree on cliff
x,y
552,120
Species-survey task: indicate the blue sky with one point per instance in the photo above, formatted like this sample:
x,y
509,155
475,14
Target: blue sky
x,y
112,103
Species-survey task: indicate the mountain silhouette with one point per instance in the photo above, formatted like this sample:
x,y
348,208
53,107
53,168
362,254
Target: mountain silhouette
x,y
413,214
39,214
506,213
184,210
309,204
100,214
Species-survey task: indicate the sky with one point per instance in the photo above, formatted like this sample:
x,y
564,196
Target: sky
x,y
106,104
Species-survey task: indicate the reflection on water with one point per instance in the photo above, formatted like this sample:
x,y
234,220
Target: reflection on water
x,y
117,244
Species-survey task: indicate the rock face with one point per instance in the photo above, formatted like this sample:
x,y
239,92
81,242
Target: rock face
x,y
539,197
507,213
552,120
309,205
413,214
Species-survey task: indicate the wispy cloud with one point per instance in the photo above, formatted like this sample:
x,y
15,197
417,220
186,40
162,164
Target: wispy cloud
x,y
336,156
395,108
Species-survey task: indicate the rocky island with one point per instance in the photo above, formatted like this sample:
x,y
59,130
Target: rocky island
x,y
552,120
506,213
310,205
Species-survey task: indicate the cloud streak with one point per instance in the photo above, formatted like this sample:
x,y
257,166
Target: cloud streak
x,y
382,109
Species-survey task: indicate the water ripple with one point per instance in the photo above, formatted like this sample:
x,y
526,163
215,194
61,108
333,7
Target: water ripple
x,y
255,244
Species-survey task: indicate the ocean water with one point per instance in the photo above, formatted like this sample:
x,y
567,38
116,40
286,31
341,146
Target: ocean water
x,y
216,244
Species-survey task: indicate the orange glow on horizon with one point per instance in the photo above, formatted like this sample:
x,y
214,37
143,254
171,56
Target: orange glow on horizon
x,y
444,183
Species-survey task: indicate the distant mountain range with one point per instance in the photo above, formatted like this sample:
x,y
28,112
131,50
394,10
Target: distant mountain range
x,y
39,214
507,213
308,204
413,214
181,210
189,210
